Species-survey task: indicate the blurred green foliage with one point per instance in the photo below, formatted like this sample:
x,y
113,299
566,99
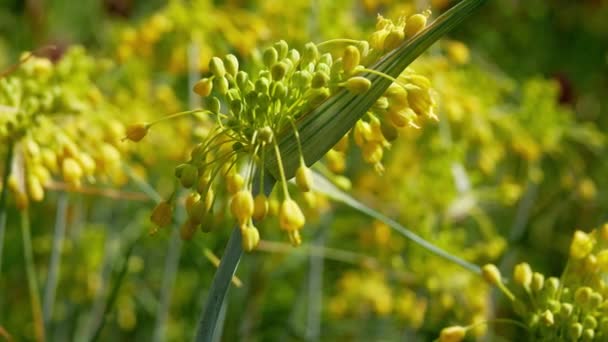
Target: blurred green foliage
x,y
515,165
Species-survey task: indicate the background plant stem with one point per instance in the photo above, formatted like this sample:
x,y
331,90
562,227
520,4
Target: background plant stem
x,y
31,277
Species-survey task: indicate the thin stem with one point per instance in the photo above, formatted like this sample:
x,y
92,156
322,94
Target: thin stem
x,y
338,41
323,186
53,274
169,273
281,171
32,281
114,292
3,207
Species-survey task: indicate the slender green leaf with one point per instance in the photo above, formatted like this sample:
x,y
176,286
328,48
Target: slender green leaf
x,y
323,127
322,185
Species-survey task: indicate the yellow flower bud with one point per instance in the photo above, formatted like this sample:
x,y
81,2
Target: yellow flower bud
x,y
294,238
351,58
414,24
372,153
581,246
34,188
242,206
162,214
136,132
303,178
454,333
187,230
491,274
547,318
401,118
336,161
71,170
250,238
393,39
458,52
358,84
203,87
260,207
291,216
234,183
522,274
538,281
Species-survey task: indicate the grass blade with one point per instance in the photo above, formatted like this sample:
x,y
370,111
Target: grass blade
x,y
3,195
323,186
32,280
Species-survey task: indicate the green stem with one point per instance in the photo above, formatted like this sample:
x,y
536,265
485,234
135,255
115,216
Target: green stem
x,y
3,207
32,281
221,280
55,262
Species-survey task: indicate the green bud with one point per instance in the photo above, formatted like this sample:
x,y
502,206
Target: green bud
x,y
262,85
604,325
554,306
326,59
589,322
588,335
393,39
595,300
351,58
221,84
216,66
278,90
322,67
189,175
566,310
389,131
263,101
242,78
547,318
318,95
302,79
270,56
232,64
551,286
293,56
582,295
358,84
278,71
236,106
265,134
320,79
538,280
575,331
310,54
282,48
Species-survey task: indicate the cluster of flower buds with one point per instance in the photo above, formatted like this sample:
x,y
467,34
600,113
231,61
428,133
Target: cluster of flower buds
x,y
570,308
57,122
250,110
180,24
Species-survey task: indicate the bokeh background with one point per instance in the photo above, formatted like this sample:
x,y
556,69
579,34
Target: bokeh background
x,y
516,163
